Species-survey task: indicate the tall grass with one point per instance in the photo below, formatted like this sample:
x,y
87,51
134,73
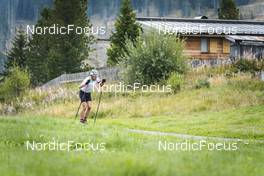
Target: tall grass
x,y
224,93
229,94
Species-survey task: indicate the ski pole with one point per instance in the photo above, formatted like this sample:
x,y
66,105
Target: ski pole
x,y
98,106
100,97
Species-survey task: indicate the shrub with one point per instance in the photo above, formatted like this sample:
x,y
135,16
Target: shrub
x,y
152,58
175,81
15,84
201,83
251,66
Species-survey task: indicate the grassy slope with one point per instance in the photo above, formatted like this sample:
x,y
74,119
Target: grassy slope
x,y
246,122
223,111
125,154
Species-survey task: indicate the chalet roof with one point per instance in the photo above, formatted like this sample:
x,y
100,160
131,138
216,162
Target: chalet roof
x,y
246,40
234,38
235,27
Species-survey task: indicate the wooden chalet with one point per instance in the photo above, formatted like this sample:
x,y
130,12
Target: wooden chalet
x,y
211,41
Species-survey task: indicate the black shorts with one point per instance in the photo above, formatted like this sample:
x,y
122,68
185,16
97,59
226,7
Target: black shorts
x,y
85,97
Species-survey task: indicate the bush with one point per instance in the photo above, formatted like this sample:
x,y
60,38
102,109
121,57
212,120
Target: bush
x,y
175,81
15,84
201,83
251,66
153,58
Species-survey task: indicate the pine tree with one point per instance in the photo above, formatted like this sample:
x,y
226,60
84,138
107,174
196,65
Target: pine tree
x,y
73,48
228,10
53,55
39,48
2,64
125,28
18,53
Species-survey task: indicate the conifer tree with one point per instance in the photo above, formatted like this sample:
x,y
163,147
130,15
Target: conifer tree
x,y
73,48
18,53
39,48
125,28
228,10
54,54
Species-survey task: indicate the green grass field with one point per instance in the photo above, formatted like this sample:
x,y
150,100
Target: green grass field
x,y
125,153
244,123
220,111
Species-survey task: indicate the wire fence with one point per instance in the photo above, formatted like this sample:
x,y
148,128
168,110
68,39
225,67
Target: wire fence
x,y
109,73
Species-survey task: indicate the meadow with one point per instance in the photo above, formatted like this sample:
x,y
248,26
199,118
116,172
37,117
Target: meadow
x,y
125,153
231,108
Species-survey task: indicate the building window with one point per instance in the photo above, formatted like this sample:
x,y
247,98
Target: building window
x,y
204,45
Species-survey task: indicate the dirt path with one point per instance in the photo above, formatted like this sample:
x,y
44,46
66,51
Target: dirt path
x,y
194,137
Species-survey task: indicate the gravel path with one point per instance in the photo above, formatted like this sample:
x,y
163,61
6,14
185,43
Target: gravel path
x,y
194,137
